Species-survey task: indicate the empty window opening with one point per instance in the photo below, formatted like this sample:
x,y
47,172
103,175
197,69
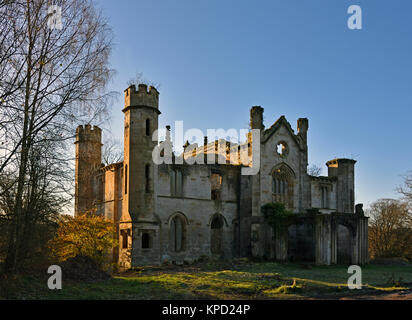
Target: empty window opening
x,y
125,179
125,238
176,183
147,177
216,186
147,127
352,200
282,186
281,149
324,197
145,240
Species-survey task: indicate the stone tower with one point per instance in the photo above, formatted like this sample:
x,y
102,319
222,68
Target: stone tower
x,y
305,199
257,228
303,126
88,160
344,171
139,227
256,118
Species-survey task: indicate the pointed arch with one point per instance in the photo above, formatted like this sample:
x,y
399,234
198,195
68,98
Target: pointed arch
x,y
177,232
177,213
217,224
219,216
284,168
283,182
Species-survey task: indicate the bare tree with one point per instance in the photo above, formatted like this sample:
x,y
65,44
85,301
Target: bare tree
x,y
314,170
112,150
406,189
52,77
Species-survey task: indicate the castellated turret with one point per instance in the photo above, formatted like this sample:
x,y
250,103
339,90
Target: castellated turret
x,y
88,160
88,133
344,171
138,219
141,97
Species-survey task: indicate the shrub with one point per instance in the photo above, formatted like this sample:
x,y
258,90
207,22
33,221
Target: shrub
x,y
87,235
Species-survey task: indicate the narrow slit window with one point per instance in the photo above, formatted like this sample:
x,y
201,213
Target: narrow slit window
x,y
125,179
173,183
147,127
324,197
179,183
176,183
145,240
147,176
124,239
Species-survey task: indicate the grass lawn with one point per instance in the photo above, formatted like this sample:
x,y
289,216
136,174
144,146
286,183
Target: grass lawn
x,y
239,280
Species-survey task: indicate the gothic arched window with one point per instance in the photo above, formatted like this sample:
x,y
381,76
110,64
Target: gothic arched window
x,y
282,185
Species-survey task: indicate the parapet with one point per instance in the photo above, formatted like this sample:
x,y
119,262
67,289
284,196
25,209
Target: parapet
x,y
342,166
141,97
88,133
336,162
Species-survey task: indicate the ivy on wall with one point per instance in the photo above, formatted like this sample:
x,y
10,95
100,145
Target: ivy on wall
x,y
276,215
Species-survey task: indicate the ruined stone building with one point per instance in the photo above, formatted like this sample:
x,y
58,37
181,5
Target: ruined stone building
x,y
181,212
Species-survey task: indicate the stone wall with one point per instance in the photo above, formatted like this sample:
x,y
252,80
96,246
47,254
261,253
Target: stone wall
x,y
198,210
213,207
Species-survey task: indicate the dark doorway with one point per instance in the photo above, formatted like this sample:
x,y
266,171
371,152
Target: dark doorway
x,y
301,242
344,245
216,235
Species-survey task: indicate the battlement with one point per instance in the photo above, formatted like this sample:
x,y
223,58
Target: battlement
x,y
88,133
141,97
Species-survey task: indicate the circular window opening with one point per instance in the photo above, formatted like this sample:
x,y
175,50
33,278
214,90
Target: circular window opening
x,y
282,149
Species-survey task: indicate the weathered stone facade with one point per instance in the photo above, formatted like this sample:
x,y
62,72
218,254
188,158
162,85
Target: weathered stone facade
x,y
181,212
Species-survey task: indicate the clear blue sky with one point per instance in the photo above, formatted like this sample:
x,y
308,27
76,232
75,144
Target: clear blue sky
x,y
216,59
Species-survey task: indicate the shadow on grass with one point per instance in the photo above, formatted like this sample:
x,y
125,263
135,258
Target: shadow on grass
x,y
246,280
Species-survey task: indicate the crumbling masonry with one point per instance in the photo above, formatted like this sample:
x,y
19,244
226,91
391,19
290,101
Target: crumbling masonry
x,y
179,212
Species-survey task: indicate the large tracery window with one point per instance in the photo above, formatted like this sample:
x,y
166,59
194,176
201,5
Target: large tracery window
x,y
282,186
